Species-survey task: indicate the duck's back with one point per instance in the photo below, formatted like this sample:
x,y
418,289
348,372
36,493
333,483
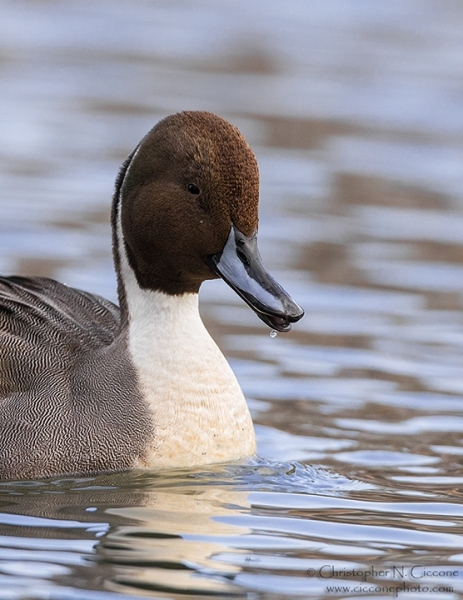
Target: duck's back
x,y
69,401
46,326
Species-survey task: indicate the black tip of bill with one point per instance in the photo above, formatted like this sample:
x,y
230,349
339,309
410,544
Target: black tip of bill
x,y
240,265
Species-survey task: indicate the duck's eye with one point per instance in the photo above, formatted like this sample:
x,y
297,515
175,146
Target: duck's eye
x,y
193,189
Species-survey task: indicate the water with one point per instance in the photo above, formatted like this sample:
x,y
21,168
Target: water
x,y
354,110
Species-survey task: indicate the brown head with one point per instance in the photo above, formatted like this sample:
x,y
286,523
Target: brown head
x,y
190,185
189,179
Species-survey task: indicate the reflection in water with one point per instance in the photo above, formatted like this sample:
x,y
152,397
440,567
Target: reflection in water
x,y
354,110
217,532
132,531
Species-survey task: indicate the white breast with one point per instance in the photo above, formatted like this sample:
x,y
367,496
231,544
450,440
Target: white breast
x,y
199,412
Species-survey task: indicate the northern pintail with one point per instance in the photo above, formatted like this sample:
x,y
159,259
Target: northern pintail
x,y
87,387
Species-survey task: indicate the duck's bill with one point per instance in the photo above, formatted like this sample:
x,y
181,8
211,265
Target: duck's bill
x,y
240,265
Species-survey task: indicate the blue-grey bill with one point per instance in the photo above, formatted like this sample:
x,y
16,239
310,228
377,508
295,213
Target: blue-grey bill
x,y
240,265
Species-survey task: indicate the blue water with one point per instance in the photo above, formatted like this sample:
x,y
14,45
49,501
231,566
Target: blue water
x,y
276,527
354,109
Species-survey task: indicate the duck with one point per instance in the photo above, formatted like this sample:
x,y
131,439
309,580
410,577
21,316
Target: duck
x,y
88,387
